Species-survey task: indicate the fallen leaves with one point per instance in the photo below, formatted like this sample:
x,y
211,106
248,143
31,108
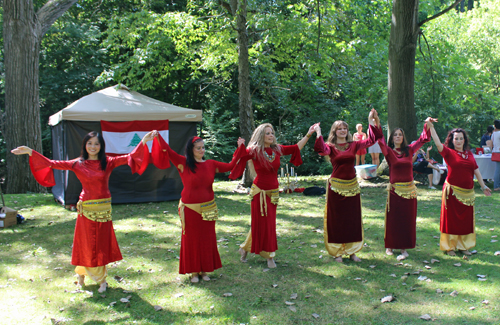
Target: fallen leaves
x,y
315,315
457,264
388,298
434,261
454,293
425,317
227,294
157,308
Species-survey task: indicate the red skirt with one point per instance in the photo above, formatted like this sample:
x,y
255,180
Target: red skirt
x,y
263,227
400,222
344,221
361,152
456,217
94,243
199,251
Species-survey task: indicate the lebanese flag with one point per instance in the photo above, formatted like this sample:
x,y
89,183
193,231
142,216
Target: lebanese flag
x,y
122,137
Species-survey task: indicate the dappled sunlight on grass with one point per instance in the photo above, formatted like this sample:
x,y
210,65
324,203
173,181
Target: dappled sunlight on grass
x,y
35,262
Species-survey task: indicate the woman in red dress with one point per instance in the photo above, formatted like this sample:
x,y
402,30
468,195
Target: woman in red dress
x,y
457,203
343,223
197,208
401,207
94,243
265,154
358,136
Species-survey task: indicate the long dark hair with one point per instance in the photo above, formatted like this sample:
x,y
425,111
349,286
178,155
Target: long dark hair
x,y
190,161
451,134
404,144
84,155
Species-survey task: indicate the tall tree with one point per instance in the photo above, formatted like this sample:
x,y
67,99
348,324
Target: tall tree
x,y
23,31
405,29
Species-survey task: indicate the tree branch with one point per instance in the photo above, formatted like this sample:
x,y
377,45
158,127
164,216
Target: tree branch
x,y
52,10
440,13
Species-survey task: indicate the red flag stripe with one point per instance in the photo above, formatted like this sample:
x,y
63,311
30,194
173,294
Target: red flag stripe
x,y
134,126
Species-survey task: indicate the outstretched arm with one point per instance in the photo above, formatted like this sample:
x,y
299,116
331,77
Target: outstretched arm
x,y
484,188
430,123
22,150
304,140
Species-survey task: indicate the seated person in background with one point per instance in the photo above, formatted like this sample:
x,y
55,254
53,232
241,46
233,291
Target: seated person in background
x,y
486,136
422,164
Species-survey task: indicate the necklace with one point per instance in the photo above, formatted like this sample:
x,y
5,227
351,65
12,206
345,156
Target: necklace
x,y
463,155
342,146
270,158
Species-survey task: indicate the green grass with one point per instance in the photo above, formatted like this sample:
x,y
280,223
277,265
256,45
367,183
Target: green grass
x,y
37,280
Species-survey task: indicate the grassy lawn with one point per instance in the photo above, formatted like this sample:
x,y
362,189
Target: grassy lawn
x,y
37,282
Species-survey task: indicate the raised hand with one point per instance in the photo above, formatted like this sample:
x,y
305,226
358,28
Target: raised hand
x,y
241,141
429,148
430,121
22,150
149,136
312,128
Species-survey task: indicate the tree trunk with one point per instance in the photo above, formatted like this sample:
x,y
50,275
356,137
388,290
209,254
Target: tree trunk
x,y
402,49
22,113
247,124
23,31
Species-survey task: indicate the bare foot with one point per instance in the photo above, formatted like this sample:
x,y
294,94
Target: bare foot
x,y
195,278
102,287
270,263
81,280
339,259
404,253
389,251
205,277
451,253
466,252
355,258
243,254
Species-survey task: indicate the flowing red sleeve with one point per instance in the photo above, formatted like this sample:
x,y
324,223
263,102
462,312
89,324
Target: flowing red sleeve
x,y
425,137
159,153
138,159
321,147
293,150
162,153
225,167
383,145
375,133
240,163
42,167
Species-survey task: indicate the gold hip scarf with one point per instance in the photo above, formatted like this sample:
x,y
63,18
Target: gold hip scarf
x,y
464,195
208,211
95,210
273,194
405,190
344,187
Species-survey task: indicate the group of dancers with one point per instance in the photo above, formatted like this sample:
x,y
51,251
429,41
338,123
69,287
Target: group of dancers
x,y
95,245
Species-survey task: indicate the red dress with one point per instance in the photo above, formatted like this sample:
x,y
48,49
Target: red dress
x,y
94,243
264,226
359,137
343,213
456,217
199,251
400,212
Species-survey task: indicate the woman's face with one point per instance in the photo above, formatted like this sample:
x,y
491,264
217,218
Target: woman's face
x,y
359,128
458,141
397,138
199,150
268,136
93,146
341,132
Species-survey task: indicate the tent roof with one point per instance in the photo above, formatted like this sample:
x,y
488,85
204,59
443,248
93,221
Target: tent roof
x,y
118,103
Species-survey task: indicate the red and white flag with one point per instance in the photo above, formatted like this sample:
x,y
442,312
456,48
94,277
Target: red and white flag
x,y
122,137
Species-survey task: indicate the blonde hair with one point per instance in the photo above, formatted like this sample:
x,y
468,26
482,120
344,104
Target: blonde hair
x,y
359,124
256,144
332,137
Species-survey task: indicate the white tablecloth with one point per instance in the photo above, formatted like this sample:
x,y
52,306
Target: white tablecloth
x,y
486,166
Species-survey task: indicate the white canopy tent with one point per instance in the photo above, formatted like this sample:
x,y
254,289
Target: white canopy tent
x,y
119,104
